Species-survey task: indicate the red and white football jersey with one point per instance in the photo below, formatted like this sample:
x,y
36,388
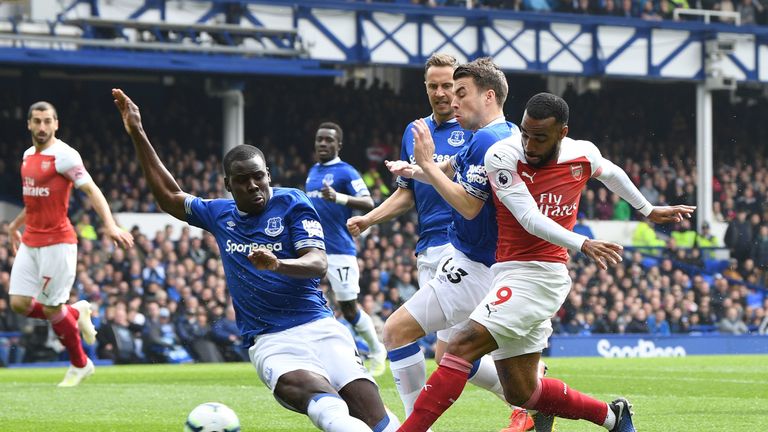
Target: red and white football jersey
x,y
47,179
555,187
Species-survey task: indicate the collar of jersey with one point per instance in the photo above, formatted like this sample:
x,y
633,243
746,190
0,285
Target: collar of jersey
x,y
448,123
498,120
245,214
333,161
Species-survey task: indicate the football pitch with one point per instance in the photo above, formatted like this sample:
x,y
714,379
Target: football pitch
x,y
712,393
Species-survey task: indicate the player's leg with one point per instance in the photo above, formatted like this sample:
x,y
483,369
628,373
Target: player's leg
x,y
517,314
309,393
344,277
50,272
287,363
335,349
468,343
25,284
365,403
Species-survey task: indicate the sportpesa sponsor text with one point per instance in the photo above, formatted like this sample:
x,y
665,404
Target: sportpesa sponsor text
x,y
244,248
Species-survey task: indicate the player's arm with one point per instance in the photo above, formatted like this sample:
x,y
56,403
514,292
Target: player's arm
x,y
167,192
311,263
13,230
100,205
364,203
453,193
398,203
512,192
413,171
617,181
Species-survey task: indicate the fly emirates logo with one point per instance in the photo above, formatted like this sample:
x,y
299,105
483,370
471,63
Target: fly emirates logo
x,y
551,205
246,249
29,189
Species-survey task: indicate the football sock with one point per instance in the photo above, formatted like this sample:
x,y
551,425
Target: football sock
x,y
409,369
330,413
484,375
555,397
610,419
390,423
441,391
363,325
64,324
35,310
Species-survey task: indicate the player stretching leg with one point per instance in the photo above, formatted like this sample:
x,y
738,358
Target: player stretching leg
x,y
540,171
335,188
273,253
46,255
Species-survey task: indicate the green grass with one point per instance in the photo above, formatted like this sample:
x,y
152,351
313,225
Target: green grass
x,y
717,393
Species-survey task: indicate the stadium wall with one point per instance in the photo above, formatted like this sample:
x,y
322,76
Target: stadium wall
x,y
655,346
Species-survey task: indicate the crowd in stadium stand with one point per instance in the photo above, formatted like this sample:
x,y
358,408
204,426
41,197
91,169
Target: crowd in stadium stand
x,y
750,11
165,300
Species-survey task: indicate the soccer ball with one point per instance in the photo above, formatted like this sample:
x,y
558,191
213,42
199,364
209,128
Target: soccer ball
x,y
212,417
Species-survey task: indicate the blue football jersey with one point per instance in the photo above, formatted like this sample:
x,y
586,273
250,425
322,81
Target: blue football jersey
x,y
476,238
434,213
265,301
343,178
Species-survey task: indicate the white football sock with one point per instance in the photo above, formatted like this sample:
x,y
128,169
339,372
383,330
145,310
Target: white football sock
x,y
487,378
364,327
330,413
410,371
610,419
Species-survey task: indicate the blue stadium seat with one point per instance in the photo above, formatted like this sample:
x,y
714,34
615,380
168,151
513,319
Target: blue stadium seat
x,y
649,262
713,266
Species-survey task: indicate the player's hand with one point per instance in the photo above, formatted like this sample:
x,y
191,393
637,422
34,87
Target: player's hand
x,y
424,146
329,193
602,252
121,238
667,214
357,224
15,237
264,259
128,111
403,168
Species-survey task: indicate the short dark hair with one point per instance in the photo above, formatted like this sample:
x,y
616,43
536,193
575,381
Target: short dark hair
x,y
486,75
42,106
240,153
545,105
440,60
334,126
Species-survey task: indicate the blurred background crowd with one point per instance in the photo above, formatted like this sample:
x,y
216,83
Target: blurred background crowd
x,y
166,301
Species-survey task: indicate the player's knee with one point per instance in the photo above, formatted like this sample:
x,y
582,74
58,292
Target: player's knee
x,y
400,329
520,392
20,304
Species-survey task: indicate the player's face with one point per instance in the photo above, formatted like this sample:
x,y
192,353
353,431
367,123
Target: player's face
x,y
468,103
327,144
43,126
439,83
541,139
248,182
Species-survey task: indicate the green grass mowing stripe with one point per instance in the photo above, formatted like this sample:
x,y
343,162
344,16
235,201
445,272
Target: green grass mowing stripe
x,y
717,393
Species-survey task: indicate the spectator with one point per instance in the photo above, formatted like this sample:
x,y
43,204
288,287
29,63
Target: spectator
x,y
639,323
732,323
738,236
227,335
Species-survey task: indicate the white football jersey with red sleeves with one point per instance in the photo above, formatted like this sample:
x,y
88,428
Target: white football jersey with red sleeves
x,y
47,179
555,187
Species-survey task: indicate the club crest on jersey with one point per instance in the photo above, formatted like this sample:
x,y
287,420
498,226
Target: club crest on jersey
x,y
456,139
328,179
577,171
503,179
274,226
44,165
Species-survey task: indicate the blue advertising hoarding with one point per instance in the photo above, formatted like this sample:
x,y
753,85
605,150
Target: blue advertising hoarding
x,y
655,346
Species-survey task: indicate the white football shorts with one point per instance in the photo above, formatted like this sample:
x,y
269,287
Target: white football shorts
x,y
44,273
324,347
518,310
344,276
449,298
